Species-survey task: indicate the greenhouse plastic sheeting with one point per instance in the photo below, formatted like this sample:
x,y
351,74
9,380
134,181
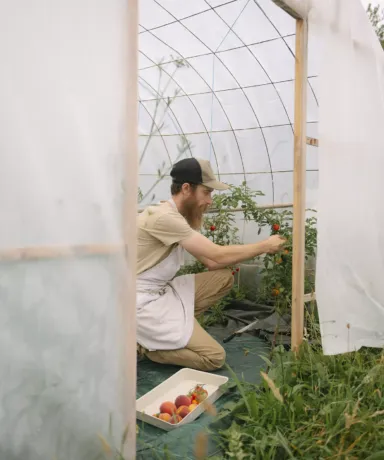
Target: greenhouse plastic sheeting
x,y
350,263
63,96
224,92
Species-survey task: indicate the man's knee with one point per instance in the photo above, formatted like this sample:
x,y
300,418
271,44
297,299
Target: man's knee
x,y
215,359
227,279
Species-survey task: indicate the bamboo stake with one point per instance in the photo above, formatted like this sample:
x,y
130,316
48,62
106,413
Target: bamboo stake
x,y
299,173
129,212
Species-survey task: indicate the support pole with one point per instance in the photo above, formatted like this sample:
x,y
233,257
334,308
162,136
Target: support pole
x,y
129,213
299,174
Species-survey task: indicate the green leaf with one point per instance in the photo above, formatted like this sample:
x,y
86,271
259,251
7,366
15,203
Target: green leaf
x,y
252,401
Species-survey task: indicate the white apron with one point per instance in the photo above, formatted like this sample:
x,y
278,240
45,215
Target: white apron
x,y
165,305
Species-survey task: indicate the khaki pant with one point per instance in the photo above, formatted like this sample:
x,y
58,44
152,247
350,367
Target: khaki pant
x,y
202,351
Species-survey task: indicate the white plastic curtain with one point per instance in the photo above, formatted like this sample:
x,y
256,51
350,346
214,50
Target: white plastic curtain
x,y
63,85
350,260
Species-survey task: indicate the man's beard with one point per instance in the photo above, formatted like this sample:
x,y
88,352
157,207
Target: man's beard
x,y
193,213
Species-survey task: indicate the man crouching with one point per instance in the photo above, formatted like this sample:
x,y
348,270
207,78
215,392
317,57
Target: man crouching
x,y
167,306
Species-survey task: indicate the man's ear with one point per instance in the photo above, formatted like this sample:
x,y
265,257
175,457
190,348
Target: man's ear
x,y
186,189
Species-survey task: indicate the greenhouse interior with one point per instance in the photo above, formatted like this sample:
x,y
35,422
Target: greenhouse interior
x,y
241,141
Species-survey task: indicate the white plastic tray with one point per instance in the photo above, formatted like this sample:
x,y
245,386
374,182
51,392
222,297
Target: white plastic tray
x,y
180,383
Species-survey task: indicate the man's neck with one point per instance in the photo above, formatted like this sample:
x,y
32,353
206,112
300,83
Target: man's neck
x,y
176,202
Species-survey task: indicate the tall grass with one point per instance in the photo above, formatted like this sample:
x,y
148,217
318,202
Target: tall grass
x,y
311,406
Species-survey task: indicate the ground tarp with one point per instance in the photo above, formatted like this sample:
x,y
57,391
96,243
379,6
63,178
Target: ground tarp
x,y
243,357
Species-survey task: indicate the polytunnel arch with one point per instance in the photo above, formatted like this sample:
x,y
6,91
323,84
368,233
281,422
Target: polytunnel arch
x,y
278,148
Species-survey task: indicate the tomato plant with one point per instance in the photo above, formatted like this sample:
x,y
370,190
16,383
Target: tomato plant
x,y
220,227
276,284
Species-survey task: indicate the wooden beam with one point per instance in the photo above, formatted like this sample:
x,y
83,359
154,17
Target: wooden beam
x,y
299,173
283,5
59,252
312,141
127,297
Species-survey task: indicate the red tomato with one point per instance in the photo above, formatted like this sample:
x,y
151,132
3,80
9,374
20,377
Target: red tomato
x,y
213,228
276,227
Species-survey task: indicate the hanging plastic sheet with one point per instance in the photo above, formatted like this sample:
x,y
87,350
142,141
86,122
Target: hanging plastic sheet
x,y
62,122
350,262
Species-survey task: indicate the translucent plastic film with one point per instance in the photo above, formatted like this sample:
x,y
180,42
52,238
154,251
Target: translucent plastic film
x,y
224,91
62,122
350,262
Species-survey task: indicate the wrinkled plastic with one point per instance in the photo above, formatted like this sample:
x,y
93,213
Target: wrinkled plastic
x,y
62,121
350,258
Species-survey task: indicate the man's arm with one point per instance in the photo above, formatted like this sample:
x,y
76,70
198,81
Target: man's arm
x,y
201,247
210,264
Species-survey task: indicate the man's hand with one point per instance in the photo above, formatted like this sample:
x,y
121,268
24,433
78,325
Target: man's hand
x,y
275,244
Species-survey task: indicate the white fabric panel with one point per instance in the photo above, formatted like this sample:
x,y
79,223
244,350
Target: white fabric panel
x,y
312,185
146,114
197,78
153,48
186,116
244,66
155,154
245,24
211,112
152,14
313,83
215,3
154,190
280,147
250,234
276,58
253,147
144,61
212,30
262,183
283,186
165,122
62,122
284,23
146,92
181,9
267,105
168,86
312,152
183,42
233,179
227,152
350,263
287,93
201,148
238,109
214,72
172,144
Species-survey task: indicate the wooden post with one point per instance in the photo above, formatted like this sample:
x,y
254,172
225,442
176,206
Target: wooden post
x,y
128,272
299,181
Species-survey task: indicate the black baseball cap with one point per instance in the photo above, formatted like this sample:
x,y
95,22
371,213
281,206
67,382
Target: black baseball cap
x,y
196,171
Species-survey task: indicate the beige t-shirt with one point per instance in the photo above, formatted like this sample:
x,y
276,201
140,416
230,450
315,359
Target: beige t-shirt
x,y
159,230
